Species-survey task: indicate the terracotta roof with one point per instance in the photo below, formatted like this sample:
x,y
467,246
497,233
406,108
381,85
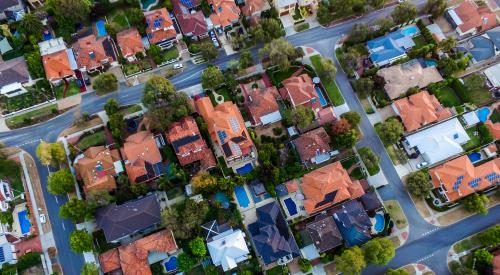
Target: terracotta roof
x,y
300,90
327,186
261,102
226,12
189,145
89,52
130,42
420,109
461,178
139,149
159,26
292,186
253,6
190,23
494,128
226,127
326,116
310,143
110,260
474,17
97,169
56,65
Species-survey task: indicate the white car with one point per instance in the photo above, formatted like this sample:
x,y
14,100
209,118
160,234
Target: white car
x,y
422,164
42,218
177,66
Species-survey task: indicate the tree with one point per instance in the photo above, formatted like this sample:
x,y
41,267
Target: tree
x,y
448,66
305,265
75,210
185,262
352,117
363,86
111,106
197,247
490,237
60,182
136,18
447,44
435,7
418,184
404,12
483,257
105,83
347,140
50,153
370,160
477,203
391,271
185,218
75,10
326,69
156,54
208,51
6,218
379,251
34,63
139,189
376,3
351,261
98,198
246,59
391,131
89,269
484,133
301,116
204,182
384,24
359,33
211,77
80,241
463,270
280,53
340,126
116,125
31,25
267,30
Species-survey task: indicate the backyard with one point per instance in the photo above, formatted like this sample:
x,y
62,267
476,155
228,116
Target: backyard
x,y
331,88
394,209
475,139
30,117
447,96
73,89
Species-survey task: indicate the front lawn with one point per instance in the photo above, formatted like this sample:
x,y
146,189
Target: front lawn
x,y
171,53
331,88
397,155
419,41
398,216
277,76
467,244
476,87
27,118
73,89
131,68
127,110
447,96
88,141
28,99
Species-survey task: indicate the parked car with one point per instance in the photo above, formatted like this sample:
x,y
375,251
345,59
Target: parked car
x,y
43,219
87,80
422,164
177,66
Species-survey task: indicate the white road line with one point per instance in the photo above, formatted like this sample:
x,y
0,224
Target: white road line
x,y
425,258
64,228
430,231
56,200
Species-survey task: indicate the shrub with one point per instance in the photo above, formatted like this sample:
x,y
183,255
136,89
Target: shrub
x,y
105,83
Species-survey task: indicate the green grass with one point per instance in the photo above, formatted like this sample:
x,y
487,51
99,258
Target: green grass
x,y
277,270
131,68
394,209
221,91
95,139
357,174
467,244
130,109
495,116
397,156
347,163
16,121
171,53
479,95
10,170
475,140
73,89
419,41
301,27
277,76
448,97
331,88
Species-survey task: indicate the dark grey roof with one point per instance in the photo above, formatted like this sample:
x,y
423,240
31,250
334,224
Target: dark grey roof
x,y
14,70
324,233
271,236
183,141
371,202
5,4
482,49
121,220
281,190
494,35
353,223
257,187
212,229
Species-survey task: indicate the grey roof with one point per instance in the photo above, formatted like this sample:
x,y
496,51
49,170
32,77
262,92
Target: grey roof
x,y
353,223
121,220
324,233
14,70
494,35
370,201
482,49
5,4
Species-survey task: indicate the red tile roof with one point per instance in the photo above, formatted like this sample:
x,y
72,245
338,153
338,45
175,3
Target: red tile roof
x,y
473,16
188,143
193,23
494,128
226,12
164,31
300,90
326,116
261,102
89,52
110,260
310,143
97,169
253,6
56,66
138,149
130,42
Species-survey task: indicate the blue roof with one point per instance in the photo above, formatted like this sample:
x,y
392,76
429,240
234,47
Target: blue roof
x,y
353,223
494,35
482,49
389,46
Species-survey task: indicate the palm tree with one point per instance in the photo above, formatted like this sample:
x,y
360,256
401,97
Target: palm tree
x,y
31,25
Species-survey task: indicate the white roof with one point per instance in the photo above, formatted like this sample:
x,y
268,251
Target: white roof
x,y
228,249
72,60
270,118
4,45
436,30
52,46
454,16
471,118
493,75
310,252
439,142
284,3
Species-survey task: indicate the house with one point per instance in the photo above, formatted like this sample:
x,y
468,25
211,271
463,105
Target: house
x,y
493,75
271,236
313,147
58,61
120,221
419,110
494,128
327,186
14,77
189,145
469,19
97,168
93,53
226,13
6,195
142,157
8,251
300,90
458,178
130,43
439,142
370,202
228,249
136,257
160,28
399,78
228,133
262,105
253,8
11,10
324,233
479,47
286,7
393,46
4,45
191,22
353,223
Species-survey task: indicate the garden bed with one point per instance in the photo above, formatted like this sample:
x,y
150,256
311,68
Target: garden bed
x,y
394,209
130,109
131,68
331,88
32,117
37,94
301,27
467,244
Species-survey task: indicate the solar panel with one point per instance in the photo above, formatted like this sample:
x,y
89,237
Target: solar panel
x,y
157,23
187,3
234,124
2,256
222,136
492,176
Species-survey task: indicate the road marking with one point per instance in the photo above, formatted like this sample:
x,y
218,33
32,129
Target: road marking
x,y
57,201
425,258
29,142
64,228
429,232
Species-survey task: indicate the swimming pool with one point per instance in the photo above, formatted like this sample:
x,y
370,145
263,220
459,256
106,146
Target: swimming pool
x,y
483,114
474,157
245,169
101,30
241,196
430,63
24,222
410,31
171,264
222,198
147,4
291,206
379,223
322,99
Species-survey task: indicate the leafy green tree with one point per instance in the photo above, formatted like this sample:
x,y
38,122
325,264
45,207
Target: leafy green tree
x,y
6,218
359,33
370,160
89,269
404,12
208,51
363,86
391,131
80,241
246,59
204,182
75,210
31,25
352,117
280,53
485,134
156,54
351,261
105,83
111,106
305,265
477,203
435,7
448,66
185,218
347,139
418,184
391,271
75,10
301,116
483,257
490,237
376,3
34,63
136,18
197,247
475,83
26,261
98,198
326,69
185,262
139,189
60,182
447,44
349,61
384,24
116,125
379,251
267,30
212,78
50,153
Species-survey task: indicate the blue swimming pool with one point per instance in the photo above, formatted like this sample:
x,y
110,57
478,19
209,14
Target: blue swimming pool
x,y
222,198
245,169
171,264
24,222
291,206
101,30
473,157
410,31
147,4
379,222
483,114
322,99
241,196
430,63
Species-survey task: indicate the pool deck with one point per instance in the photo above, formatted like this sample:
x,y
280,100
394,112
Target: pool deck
x,y
16,226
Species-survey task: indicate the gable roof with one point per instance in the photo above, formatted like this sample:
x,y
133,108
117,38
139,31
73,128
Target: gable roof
x,y
118,221
324,233
254,6
110,260
328,185
420,109
262,102
90,53
390,46
189,22
371,202
300,90
482,48
159,26
461,178
226,11
97,169
228,249
13,71
57,65
130,42
399,78
140,150
494,128
471,16
312,144
353,223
